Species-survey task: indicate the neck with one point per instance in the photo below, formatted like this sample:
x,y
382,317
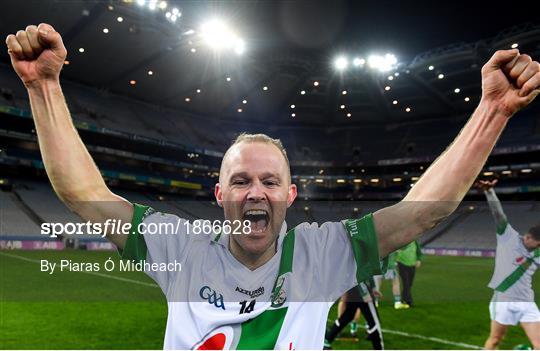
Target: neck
x,y
252,261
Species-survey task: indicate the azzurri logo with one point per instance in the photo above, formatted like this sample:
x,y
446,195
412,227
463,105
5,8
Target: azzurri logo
x,y
213,297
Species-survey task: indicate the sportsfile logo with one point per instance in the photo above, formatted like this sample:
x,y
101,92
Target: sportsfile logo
x,y
213,297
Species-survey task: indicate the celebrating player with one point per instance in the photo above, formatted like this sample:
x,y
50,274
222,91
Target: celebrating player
x,y
211,302
516,260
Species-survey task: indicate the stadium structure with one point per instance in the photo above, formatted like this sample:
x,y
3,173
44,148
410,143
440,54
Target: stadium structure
x,y
157,108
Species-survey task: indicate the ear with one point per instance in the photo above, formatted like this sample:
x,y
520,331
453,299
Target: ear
x,y
293,192
218,194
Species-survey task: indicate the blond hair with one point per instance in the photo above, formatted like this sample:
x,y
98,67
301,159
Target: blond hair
x,y
259,138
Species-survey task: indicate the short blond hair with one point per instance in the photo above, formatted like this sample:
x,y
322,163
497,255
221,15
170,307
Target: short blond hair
x,y
259,138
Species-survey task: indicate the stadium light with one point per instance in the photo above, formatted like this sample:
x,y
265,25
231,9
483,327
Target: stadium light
x,y
342,107
106,30
507,172
349,114
265,88
150,73
303,92
457,90
162,5
218,36
467,99
526,170
120,19
132,82
387,88
382,63
344,92
244,102
152,4
515,45
198,91
316,83
81,50
395,102
340,63
440,76
141,2
431,68
390,77
358,62
408,109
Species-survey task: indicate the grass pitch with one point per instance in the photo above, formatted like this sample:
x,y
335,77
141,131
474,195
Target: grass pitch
x,y
73,310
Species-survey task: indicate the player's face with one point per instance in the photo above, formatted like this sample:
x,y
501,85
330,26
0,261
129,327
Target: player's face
x,y
530,243
255,187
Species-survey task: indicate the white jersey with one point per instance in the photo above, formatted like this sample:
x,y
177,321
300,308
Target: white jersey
x,y
514,268
215,302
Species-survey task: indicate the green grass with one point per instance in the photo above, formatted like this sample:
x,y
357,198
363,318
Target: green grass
x,y
71,310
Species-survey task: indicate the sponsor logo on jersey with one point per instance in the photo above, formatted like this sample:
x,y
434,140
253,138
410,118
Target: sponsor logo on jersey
x,y
520,260
213,297
251,293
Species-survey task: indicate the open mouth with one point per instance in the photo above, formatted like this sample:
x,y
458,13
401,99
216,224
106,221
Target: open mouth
x,y
259,220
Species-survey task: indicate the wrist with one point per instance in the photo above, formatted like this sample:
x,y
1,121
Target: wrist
x,y
42,84
494,108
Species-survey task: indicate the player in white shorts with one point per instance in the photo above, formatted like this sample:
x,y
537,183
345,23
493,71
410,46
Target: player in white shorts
x,y
516,260
271,288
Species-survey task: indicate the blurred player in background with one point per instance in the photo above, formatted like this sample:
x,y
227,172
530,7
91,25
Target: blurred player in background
x,y
205,308
408,260
360,298
516,260
391,274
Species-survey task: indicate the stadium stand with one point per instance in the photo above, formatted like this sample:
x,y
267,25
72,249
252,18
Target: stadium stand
x,y
14,220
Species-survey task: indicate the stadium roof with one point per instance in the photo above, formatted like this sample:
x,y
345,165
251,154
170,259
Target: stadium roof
x,y
289,45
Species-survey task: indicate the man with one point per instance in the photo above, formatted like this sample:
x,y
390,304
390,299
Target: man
x,y
516,260
360,298
298,273
408,259
391,274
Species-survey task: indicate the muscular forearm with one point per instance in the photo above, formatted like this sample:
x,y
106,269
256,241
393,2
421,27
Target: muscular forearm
x,y
496,208
69,166
449,178
71,170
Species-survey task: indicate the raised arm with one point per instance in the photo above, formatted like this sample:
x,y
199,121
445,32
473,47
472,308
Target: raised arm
x,y
37,55
494,204
510,81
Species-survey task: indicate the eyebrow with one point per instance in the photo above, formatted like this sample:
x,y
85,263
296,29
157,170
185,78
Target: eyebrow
x,y
246,175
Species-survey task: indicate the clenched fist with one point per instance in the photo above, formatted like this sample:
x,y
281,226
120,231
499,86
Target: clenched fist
x,y
37,53
510,80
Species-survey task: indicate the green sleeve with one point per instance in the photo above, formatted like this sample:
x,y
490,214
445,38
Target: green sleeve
x,y
135,248
365,247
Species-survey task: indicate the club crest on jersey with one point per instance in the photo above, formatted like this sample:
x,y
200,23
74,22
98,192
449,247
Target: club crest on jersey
x,y
279,295
213,297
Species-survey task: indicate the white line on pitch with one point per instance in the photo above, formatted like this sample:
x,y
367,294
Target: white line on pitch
x,y
127,280
423,337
